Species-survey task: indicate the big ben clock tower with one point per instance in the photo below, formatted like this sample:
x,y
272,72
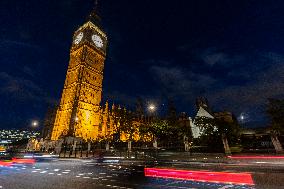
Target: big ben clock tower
x,y
78,114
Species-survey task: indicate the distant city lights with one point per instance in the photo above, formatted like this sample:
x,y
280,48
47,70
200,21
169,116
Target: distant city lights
x,y
9,136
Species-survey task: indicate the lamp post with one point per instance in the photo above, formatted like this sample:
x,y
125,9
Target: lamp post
x,y
33,140
34,125
152,109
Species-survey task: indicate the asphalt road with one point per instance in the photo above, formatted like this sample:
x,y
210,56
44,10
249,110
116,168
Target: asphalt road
x,y
89,174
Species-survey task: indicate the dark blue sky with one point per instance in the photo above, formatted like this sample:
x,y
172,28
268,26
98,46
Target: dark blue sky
x,y
228,51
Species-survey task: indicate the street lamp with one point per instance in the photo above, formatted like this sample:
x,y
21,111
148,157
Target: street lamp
x,y
243,117
151,107
35,123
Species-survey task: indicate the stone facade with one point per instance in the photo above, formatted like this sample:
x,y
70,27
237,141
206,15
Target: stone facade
x,y
79,113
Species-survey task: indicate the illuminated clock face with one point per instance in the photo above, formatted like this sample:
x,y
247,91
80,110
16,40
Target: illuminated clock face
x,y
78,38
98,41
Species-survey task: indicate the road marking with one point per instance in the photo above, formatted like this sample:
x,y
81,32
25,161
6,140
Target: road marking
x,y
227,186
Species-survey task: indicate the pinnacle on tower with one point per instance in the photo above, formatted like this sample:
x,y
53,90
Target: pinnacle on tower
x,y
94,17
106,107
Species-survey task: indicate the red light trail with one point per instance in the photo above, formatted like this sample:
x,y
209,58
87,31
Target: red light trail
x,y
7,163
256,157
202,176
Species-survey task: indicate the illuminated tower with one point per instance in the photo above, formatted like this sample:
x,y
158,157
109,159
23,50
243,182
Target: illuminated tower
x,y
78,114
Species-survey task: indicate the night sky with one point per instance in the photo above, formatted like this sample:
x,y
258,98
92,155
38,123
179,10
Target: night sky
x,y
231,52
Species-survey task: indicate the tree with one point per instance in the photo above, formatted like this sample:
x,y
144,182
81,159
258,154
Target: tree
x,y
159,129
139,111
208,129
126,124
172,114
227,130
123,124
145,132
215,128
116,116
275,111
173,130
184,130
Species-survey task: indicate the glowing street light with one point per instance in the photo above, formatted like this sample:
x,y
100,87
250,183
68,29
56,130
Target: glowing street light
x,y
152,107
35,123
243,117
